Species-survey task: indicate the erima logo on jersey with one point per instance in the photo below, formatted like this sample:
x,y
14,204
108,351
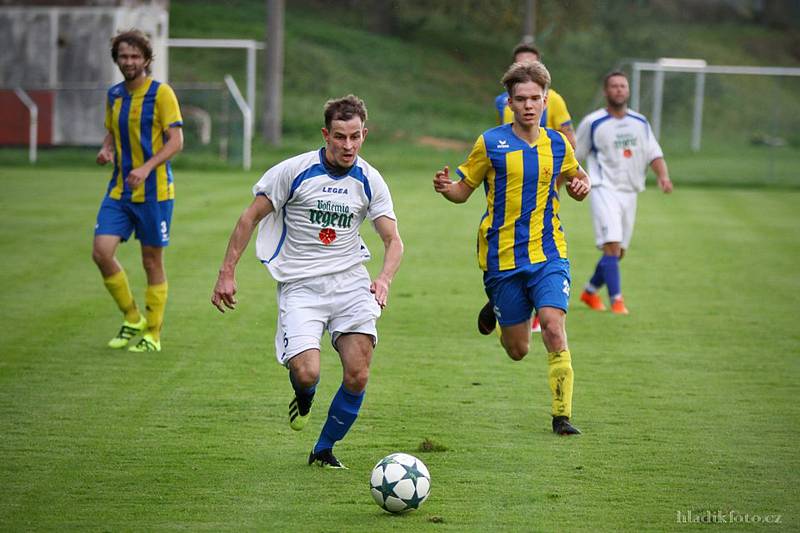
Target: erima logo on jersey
x,y
502,143
334,190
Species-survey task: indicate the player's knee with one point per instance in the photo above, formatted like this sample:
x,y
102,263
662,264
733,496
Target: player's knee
x,y
305,376
355,379
517,350
100,257
553,334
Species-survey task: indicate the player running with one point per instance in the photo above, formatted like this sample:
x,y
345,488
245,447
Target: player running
x,y
618,144
308,210
521,244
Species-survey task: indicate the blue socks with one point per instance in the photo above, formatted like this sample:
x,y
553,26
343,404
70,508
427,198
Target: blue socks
x,y
609,265
597,280
341,415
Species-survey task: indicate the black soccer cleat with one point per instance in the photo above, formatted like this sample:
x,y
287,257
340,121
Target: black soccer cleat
x,y
325,459
561,426
486,319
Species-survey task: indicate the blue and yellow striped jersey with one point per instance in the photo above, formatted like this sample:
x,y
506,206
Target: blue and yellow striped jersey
x,y
521,225
555,115
138,121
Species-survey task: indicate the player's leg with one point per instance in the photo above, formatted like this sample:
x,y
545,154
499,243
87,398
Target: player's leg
x,y
303,375
551,296
612,252
607,223
627,203
300,325
152,229
353,334
112,227
513,309
355,352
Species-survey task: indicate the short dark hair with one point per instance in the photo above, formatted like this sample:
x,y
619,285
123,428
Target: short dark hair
x,y
526,71
345,108
612,74
525,47
135,38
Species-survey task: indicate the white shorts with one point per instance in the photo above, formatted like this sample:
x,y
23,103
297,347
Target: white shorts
x,y
340,303
613,215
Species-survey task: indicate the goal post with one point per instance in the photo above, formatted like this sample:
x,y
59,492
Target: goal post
x,y
699,68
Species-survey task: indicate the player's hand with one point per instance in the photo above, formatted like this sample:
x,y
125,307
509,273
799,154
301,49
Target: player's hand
x,y
104,156
137,176
380,288
224,294
665,184
442,181
578,188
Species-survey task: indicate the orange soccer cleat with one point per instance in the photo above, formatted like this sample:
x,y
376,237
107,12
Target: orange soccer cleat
x,y
618,306
593,300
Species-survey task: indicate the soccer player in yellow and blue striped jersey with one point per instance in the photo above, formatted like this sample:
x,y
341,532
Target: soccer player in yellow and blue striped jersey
x,y
143,122
521,245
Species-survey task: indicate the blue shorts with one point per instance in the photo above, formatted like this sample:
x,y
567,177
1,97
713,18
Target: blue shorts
x,y
151,220
516,293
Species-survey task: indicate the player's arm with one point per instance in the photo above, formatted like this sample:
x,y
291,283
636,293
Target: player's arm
x,y
577,181
224,294
173,145
392,255
659,166
106,153
457,192
568,132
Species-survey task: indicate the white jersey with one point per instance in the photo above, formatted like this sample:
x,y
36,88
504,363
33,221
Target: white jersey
x,y
314,229
617,150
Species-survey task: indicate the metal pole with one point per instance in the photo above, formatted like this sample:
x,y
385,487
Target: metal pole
x,y
658,98
697,125
635,85
247,116
251,77
33,111
273,86
529,33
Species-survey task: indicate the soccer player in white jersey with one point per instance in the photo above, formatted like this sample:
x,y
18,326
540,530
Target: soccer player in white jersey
x,y
618,145
308,210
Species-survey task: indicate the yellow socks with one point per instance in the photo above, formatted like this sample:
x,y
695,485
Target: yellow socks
x,y
560,377
155,299
120,290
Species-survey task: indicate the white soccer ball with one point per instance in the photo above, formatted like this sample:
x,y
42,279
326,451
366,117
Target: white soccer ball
x,y
400,482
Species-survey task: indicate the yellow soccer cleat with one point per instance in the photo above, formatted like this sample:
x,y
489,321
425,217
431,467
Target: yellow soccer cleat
x,y
297,421
128,331
146,344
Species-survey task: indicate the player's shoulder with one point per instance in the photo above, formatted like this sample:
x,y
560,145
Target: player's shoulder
x,y
553,95
117,90
596,117
496,132
635,115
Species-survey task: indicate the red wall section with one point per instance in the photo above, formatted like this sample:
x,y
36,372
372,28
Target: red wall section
x,y
15,120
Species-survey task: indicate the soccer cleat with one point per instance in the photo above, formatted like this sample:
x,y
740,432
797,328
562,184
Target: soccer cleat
x,y
486,319
296,420
128,331
593,300
146,344
561,426
618,306
536,327
325,459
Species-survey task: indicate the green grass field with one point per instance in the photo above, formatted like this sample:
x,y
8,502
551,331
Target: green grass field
x,y
688,404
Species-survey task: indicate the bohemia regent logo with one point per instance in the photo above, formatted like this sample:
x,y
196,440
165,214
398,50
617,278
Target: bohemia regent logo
x,y
327,235
330,215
